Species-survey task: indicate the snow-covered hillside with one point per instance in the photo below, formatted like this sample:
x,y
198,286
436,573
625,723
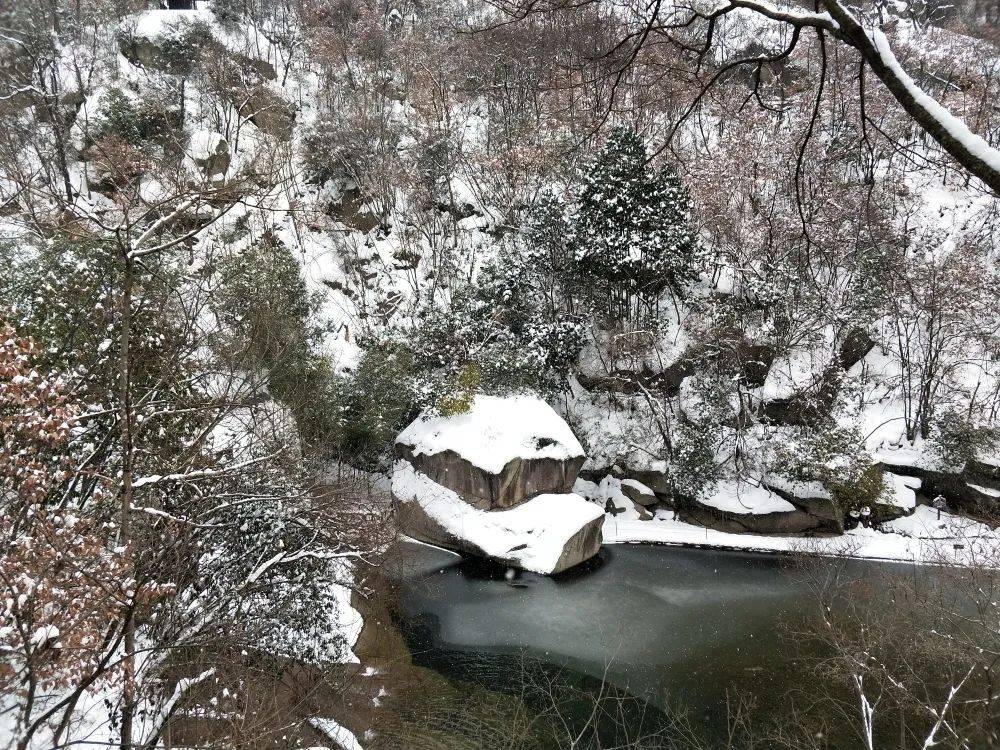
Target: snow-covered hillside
x,y
674,273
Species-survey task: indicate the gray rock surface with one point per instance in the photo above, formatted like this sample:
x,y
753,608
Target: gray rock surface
x,y
974,490
269,112
519,480
788,522
638,493
654,480
829,516
217,162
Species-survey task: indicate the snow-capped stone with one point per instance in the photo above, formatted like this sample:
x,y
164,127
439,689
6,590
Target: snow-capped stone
x,y
210,151
500,453
740,507
164,39
548,534
904,491
746,499
812,498
638,493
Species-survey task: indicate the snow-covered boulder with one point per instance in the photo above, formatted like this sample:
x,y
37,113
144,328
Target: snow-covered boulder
x,y
610,495
547,534
499,454
973,488
176,41
166,40
740,508
210,151
638,493
810,497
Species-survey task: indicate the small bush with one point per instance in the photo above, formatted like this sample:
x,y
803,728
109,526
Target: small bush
x,y
459,400
135,122
354,148
264,303
956,439
268,317
507,347
836,458
692,469
378,403
119,116
182,46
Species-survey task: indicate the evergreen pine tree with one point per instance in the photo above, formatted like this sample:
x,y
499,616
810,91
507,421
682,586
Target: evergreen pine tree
x,y
670,253
547,254
631,233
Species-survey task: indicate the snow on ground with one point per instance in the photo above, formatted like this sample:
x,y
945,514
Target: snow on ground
x,y
746,499
610,489
345,619
531,535
797,487
795,371
156,25
494,431
920,538
665,348
614,428
904,491
342,737
905,454
204,144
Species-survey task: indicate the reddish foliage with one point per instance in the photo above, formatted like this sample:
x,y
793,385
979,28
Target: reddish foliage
x,y
63,582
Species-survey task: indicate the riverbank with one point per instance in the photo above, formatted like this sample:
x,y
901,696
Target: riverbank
x,y
925,537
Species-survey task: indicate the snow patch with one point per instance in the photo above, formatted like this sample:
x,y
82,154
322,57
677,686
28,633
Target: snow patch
x,y
204,144
341,736
919,538
157,24
904,491
734,496
495,431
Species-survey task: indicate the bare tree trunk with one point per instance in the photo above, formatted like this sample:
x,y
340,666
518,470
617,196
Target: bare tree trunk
x,y
125,418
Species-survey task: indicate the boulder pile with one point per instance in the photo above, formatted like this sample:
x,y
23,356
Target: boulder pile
x,y
496,482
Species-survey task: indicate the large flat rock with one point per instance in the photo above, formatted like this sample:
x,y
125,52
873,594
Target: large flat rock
x,y
742,508
547,534
780,522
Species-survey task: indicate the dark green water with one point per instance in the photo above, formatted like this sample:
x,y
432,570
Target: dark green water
x,y
669,626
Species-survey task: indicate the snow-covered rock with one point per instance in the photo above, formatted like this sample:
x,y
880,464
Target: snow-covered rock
x,y
166,40
608,494
210,151
973,488
810,497
638,493
743,498
741,507
903,493
547,534
500,453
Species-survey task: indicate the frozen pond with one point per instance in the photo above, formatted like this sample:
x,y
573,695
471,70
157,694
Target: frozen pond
x,y
667,624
